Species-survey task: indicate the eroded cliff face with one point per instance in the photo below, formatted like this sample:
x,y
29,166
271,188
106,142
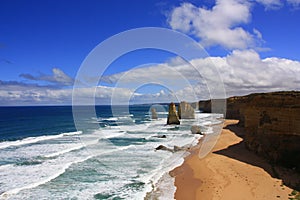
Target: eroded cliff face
x,y
272,124
185,111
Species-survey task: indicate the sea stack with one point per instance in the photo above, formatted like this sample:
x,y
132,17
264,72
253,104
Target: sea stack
x,y
186,111
172,116
153,113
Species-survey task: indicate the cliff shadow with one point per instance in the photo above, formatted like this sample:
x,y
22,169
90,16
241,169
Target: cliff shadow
x,y
239,152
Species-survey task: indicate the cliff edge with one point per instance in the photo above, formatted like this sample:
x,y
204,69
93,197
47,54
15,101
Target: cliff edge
x,y
271,122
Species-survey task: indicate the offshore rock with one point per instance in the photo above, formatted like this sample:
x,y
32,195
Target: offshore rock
x,y
196,129
186,111
172,116
160,136
175,148
162,147
153,113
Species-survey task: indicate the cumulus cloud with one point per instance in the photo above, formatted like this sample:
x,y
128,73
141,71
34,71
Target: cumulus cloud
x,y
245,72
18,93
242,72
223,24
220,25
58,77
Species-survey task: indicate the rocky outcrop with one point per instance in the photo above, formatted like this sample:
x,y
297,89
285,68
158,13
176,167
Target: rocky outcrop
x,y
205,106
214,105
195,129
160,136
186,111
195,105
172,115
162,147
271,122
153,113
175,148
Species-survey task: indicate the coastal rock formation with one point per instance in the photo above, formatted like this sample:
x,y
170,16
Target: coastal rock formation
x,y
195,105
160,136
162,147
214,105
271,122
205,106
195,129
153,113
172,116
175,148
186,111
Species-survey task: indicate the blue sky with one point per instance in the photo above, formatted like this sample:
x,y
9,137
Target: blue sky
x,y
43,43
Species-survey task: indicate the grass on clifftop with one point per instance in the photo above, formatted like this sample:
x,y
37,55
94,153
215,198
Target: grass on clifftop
x,y
295,195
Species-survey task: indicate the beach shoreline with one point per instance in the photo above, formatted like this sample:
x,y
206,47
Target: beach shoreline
x,y
229,172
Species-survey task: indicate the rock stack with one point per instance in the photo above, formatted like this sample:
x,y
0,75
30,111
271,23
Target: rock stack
x,y
172,116
186,111
153,113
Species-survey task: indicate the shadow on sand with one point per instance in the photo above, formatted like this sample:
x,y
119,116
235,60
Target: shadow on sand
x,y
239,152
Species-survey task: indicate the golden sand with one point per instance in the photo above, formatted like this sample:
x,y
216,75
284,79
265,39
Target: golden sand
x,y
230,172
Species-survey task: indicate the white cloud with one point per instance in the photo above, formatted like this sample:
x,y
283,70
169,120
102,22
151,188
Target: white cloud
x,y
242,72
58,77
257,33
295,3
220,25
277,4
253,74
271,4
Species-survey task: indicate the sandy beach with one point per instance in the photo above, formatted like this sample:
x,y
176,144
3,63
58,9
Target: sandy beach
x,y
230,172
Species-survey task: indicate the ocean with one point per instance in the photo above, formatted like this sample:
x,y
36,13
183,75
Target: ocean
x,y
43,156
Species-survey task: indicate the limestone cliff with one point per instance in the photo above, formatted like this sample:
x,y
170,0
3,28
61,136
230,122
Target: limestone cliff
x,y
272,124
186,111
172,115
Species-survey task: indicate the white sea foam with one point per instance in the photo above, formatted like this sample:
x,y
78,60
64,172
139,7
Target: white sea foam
x,y
42,180
64,151
31,140
163,187
162,113
122,165
19,178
